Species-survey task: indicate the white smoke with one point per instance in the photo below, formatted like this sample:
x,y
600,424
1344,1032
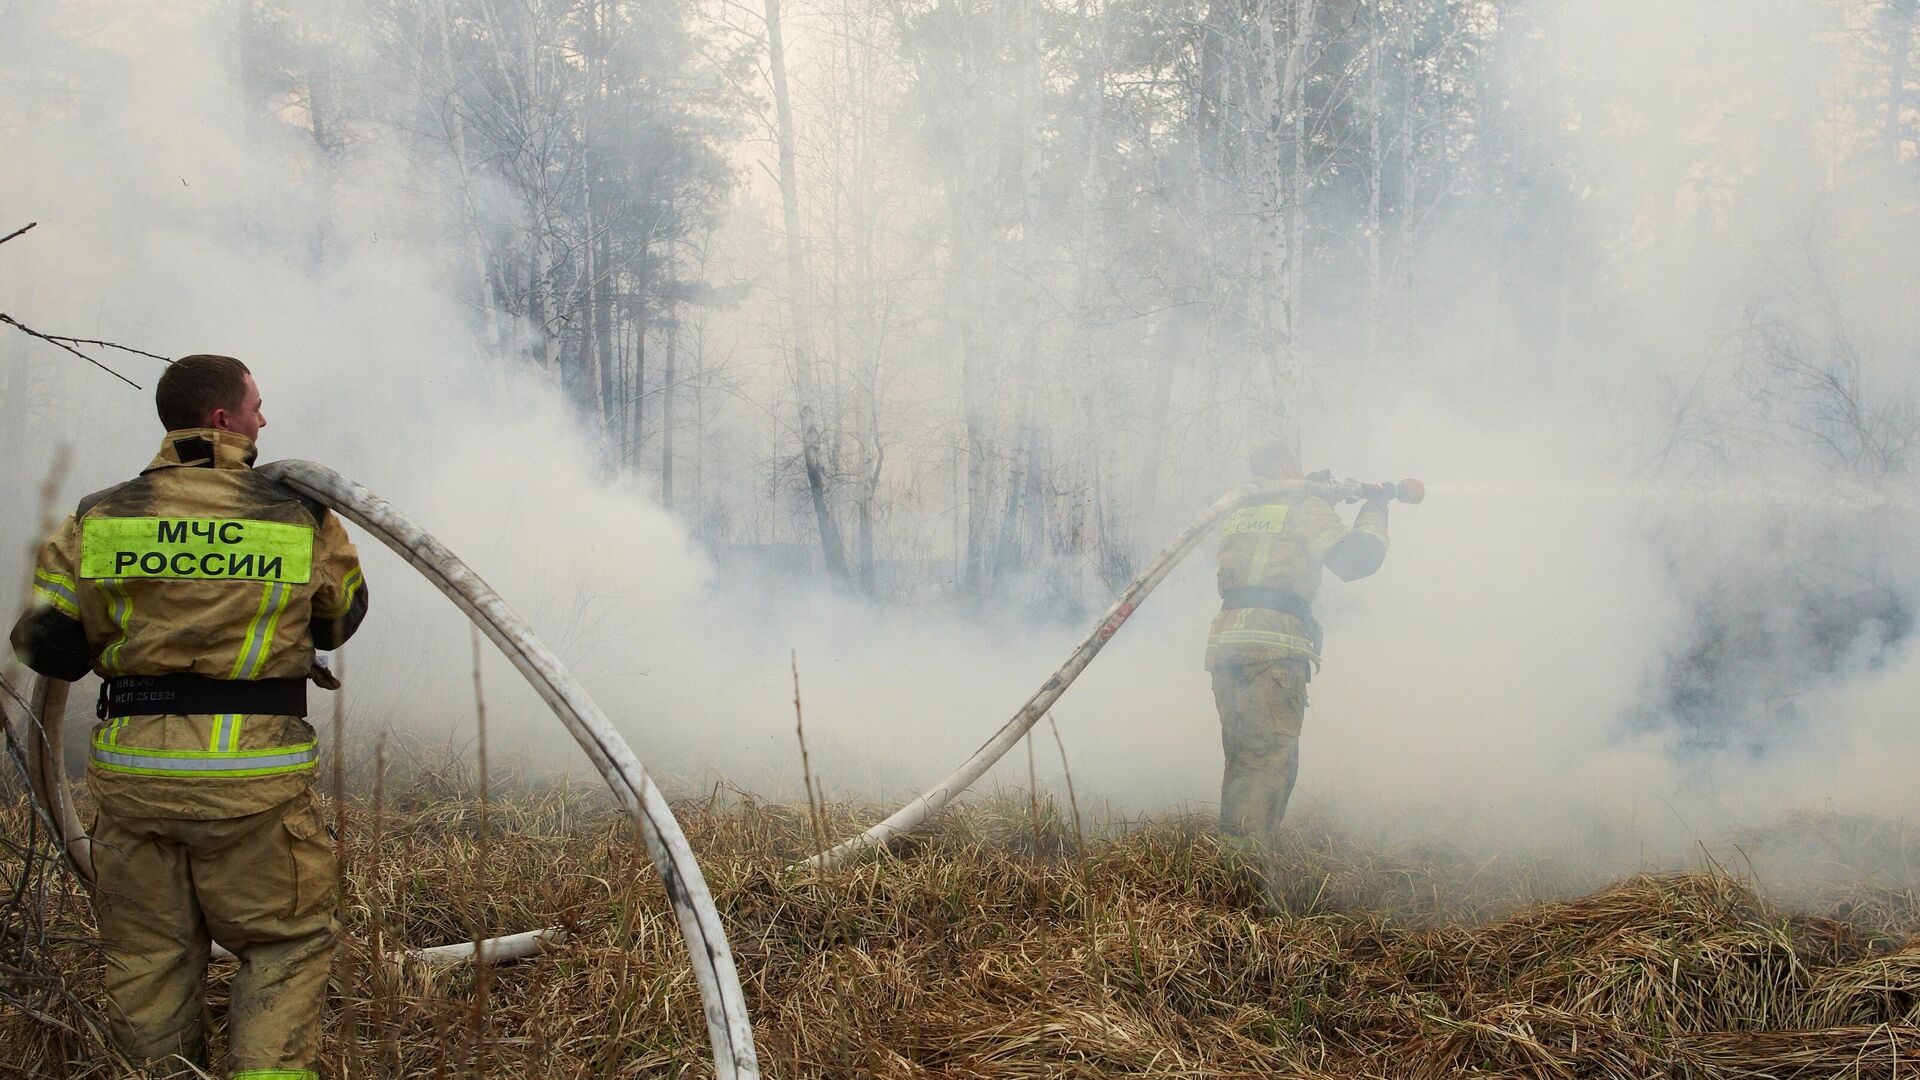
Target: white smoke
x,y
1486,669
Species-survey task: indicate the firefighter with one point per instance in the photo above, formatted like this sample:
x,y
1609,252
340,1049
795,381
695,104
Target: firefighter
x,y
1265,643
198,592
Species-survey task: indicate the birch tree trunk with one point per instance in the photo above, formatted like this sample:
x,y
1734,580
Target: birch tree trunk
x,y
1299,165
540,291
667,375
1271,260
1020,478
590,369
1089,434
454,120
870,316
1376,110
831,549
1168,344
1900,15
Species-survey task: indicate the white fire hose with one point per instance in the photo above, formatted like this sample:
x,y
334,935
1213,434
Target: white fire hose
x,y
930,802
44,720
724,1002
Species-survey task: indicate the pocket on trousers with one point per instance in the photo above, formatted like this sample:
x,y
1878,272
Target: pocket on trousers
x,y
1282,689
311,850
106,857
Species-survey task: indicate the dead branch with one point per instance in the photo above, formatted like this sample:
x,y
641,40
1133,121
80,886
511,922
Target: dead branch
x,y
70,343
109,345
62,343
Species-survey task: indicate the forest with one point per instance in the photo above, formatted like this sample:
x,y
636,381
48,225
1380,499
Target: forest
x,y
975,297
876,346
966,305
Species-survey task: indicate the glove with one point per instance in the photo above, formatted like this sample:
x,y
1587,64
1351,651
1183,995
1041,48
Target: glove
x,y
322,675
1379,496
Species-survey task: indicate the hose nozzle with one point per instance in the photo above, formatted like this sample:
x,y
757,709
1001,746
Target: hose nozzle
x,y
1406,491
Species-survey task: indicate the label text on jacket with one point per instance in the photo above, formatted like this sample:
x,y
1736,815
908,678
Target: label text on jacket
x,y
237,549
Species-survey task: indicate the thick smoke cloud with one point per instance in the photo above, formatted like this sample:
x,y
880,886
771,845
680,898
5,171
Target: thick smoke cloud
x,y
1655,584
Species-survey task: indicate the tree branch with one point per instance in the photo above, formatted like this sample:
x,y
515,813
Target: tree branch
x,y
106,345
62,343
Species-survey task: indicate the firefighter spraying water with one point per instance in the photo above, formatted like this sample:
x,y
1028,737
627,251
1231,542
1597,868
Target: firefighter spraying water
x,y
1265,644
1320,489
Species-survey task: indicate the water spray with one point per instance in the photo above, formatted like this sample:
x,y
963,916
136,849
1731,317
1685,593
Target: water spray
x,y
1847,494
930,802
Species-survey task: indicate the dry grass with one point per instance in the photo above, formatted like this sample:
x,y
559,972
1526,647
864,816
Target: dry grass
x,y
969,953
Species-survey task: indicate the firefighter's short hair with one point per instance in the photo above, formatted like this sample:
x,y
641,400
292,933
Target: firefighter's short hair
x,y
193,386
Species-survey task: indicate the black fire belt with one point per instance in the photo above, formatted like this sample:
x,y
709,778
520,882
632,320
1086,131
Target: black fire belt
x,y
167,695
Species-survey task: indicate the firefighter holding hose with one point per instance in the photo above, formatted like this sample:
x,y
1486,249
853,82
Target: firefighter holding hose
x,y
198,591
1265,643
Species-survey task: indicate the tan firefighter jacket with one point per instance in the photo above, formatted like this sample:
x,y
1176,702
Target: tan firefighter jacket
x,y
1271,556
201,567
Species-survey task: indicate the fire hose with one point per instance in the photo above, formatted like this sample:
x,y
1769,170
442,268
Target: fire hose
x,y
43,718
930,802
723,1000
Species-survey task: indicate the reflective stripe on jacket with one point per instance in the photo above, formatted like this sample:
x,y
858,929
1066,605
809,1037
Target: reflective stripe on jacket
x,y
202,566
1285,545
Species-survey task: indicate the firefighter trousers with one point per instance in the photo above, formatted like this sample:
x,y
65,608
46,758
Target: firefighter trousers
x,y
1263,704
263,886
